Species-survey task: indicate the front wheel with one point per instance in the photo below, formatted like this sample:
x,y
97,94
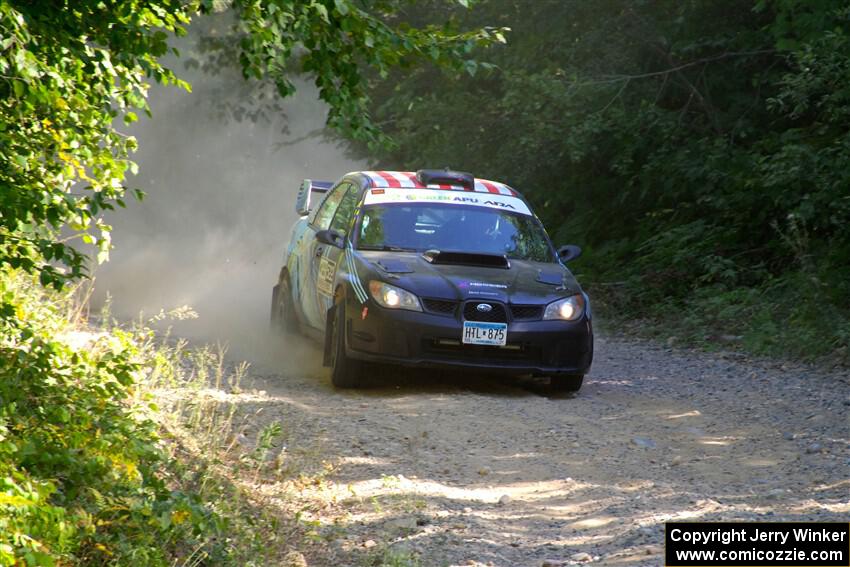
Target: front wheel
x,y
345,371
565,382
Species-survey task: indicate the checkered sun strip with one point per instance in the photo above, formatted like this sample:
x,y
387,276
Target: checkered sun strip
x,y
407,179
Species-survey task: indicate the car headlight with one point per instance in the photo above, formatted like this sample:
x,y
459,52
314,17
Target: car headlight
x,y
567,309
393,297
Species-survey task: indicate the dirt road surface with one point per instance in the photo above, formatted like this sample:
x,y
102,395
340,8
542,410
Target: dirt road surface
x,y
456,469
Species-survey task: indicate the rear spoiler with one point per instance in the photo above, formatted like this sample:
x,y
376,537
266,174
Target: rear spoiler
x,y
305,192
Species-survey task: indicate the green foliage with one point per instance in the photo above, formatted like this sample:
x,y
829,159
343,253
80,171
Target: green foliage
x,y
82,479
65,75
386,556
69,71
332,40
697,149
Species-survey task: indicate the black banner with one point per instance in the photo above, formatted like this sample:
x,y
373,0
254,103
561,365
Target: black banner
x,y
767,544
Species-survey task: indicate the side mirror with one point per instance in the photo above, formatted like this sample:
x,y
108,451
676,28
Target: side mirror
x,y
331,237
569,252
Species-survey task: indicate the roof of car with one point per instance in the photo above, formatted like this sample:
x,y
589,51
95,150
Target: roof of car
x,y
408,179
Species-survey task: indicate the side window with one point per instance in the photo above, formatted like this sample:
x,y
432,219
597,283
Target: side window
x,y
345,211
323,217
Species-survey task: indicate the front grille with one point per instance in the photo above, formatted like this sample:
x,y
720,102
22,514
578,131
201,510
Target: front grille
x,y
439,306
453,349
526,312
495,315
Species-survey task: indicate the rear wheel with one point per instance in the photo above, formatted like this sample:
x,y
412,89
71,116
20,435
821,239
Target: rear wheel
x,y
345,371
565,382
282,315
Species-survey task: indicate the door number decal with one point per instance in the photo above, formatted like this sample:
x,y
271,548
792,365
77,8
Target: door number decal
x,y
325,283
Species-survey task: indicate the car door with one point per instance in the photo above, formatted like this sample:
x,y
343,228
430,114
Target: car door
x,y
314,251
330,257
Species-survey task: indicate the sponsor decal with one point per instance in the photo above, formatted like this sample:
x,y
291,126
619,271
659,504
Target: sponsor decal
x,y
475,287
325,281
492,201
485,284
499,205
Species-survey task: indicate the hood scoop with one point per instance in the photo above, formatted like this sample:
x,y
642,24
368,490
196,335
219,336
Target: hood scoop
x,y
391,266
550,278
466,259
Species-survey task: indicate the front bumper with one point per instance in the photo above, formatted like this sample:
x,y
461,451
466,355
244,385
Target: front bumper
x,y
419,339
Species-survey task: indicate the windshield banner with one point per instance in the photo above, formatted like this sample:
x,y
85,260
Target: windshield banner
x,y
500,202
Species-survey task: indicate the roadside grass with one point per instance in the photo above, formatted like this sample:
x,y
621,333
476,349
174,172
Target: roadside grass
x,y
791,318
204,434
386,556
123,446
120,445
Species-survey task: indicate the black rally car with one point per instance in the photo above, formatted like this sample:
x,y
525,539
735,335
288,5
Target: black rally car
x,y
433,268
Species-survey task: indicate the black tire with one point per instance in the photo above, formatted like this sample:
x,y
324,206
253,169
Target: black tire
x,y
565,383
345,371
282,316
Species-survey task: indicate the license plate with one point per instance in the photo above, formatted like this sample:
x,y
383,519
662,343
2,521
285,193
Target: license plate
x,y
475,333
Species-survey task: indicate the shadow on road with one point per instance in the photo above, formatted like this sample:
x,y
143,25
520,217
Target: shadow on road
x,y
458,466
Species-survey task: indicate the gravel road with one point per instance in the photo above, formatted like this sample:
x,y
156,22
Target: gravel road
x,y
461,470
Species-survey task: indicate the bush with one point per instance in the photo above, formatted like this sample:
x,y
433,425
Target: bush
x,y
81,472
697,151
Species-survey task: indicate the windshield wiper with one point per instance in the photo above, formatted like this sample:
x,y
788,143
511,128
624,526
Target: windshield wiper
x,y
386,248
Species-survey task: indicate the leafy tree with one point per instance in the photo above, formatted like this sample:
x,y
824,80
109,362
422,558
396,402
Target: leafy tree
x,y
69,69
81,477
698,148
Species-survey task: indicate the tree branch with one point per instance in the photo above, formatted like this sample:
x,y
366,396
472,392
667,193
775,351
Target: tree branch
x,y
678,68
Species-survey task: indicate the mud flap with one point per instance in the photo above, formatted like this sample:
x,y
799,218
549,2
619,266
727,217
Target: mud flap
x,y
273,311
329,322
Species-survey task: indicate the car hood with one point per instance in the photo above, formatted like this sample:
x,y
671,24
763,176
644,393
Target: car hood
x,y
523,282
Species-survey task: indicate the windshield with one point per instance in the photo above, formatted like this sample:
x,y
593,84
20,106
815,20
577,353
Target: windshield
x,y
426,226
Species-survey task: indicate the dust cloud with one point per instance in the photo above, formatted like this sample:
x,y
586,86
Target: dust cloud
x,y
220,192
